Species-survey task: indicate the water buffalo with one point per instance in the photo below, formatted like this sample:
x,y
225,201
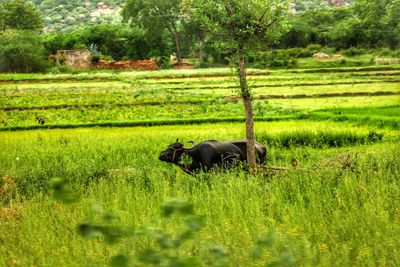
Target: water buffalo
x,y
208,154
261,151
204,155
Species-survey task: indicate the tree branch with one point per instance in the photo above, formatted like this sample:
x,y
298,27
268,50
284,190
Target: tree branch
x,y
263,14
228,8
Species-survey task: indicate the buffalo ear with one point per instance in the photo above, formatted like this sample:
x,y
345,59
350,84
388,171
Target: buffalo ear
x,y
177,140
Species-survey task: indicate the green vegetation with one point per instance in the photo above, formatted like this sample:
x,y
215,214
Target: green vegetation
x,y
80,179
68,15
21,51
353,35
21,47
337,205
19,15
195,96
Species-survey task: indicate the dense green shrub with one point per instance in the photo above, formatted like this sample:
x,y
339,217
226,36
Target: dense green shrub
x,y
309,51
21,51
354,51
20,14
116,41
274,58
386,52
96,58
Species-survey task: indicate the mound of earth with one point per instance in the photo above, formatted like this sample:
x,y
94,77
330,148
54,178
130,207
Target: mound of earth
x,y
126,65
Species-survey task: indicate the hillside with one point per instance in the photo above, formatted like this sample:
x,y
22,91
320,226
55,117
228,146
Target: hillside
x,y
303,5
62,15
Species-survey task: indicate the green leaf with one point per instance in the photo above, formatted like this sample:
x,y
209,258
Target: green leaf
x,y
164,239
61,193
218,251
185,235
58,183
109,217
274,264
176,206
256,252
119,261
149,256
113,234
194,223
65,196
268,240
183,262
88,231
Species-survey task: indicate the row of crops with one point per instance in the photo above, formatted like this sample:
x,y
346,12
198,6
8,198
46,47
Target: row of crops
x,y
146,98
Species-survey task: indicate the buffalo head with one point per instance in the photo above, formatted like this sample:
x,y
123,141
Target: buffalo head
x,y
173,153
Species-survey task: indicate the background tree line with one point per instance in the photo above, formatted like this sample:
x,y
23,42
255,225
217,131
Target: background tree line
x,y
156,29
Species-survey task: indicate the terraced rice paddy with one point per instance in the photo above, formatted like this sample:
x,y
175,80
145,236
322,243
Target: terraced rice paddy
x,y
339,207
123,97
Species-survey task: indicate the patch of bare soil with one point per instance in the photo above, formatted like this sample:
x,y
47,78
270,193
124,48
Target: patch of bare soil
x,y
10,213
344,161
7,185
126,65
54,80
183,66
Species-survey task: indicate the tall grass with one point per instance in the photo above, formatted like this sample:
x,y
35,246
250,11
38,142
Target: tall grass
x,y
338,208
32,159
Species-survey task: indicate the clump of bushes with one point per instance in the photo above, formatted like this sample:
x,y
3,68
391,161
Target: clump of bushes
x,y
386,52
286,57
96,58
22,51
274,58
320,139
309,51
354,51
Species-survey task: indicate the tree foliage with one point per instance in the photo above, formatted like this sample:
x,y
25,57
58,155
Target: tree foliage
x,y
21,47
19,14
114,40
61,15
242,23
156,17
380,21
21,51
368,24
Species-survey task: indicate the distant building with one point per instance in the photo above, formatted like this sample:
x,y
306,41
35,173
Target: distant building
x,y
80,59
338,3
292,8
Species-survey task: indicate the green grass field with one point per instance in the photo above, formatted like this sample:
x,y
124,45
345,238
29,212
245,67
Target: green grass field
x,y
339,207
140,98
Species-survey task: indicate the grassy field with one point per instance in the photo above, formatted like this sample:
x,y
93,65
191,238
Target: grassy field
x,y
339,207
147,98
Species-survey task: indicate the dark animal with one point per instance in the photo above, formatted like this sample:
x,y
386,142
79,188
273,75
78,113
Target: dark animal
x,y
208,154
294,163
204,156
261,151
40,120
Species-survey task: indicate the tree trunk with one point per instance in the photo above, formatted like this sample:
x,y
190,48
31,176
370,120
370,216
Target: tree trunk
x,y
174,32
202,40
248,109
178,48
